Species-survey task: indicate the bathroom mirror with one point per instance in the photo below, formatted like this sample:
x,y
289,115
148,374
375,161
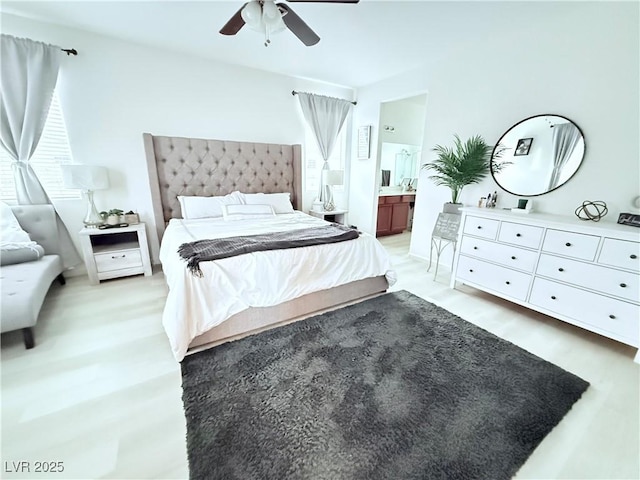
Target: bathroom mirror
x,y
398,164
537,155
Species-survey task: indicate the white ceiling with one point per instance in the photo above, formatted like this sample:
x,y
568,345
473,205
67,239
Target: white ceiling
x,y
360,44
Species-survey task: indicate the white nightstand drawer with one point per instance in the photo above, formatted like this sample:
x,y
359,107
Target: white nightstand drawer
x,y
570,244
521,235
620,253
481,227
615,316
506,255
499,279
606,280
117,260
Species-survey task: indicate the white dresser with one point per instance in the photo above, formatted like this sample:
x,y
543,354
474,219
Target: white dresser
x,y
584,273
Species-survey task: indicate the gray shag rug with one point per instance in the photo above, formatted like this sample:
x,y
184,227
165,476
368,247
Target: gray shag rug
x,y
389,388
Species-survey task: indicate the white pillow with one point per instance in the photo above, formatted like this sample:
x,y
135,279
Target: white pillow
x,y
281,202
207,207
244,212
11,233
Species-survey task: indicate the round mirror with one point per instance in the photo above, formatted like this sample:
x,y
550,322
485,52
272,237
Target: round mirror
x,y
537,155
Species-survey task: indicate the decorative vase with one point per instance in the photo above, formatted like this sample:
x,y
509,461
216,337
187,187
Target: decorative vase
x,y
451,207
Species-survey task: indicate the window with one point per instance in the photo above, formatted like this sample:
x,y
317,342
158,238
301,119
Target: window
x,y
52,151
314,161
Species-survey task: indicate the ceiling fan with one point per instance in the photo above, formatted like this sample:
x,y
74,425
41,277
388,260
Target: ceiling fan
x,y
269,17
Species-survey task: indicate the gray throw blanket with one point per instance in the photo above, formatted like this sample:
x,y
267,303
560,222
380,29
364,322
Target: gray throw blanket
x,y
215,249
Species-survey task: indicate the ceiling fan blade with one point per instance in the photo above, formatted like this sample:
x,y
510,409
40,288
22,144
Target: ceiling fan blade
x,y
325,1
234,24
297,26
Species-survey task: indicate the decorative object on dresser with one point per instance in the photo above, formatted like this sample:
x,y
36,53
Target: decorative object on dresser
x,y
87,178
584,274
632,219
115,252
592,210
539,166
393,214
389,388
465,164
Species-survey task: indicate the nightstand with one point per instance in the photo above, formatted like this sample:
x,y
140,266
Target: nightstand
x,y
335,216
115,252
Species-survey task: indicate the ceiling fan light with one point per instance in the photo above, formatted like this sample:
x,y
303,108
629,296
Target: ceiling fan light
x,y
252,15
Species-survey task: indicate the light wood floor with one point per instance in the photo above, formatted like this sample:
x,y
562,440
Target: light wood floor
x,y
101,391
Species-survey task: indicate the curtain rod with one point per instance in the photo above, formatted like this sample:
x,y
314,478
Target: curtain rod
x,y
354,103
70,51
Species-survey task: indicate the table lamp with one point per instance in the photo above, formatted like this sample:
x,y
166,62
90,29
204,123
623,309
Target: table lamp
x,y
330,178
86,178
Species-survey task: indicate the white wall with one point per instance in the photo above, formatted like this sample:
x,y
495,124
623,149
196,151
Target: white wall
x,y
586,70
113,91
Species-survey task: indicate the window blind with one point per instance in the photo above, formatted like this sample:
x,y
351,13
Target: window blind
x,y
52,151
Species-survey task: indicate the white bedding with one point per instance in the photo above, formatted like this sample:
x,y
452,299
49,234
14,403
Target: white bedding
x,y
231,285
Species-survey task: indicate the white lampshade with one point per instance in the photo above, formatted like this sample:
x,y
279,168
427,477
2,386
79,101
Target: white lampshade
x,y
252,15
271,17
333,177
85,177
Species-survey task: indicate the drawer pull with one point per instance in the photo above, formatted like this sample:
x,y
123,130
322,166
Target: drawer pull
x,y
508,282
518,235
479,227
513,258
623,285
567,244
118,256
612,317
561,269
475,248
471,270
633,256
553,297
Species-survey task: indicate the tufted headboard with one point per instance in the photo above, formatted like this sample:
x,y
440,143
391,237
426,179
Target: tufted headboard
x,y
194,166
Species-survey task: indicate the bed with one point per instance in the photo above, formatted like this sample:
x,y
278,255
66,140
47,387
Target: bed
x,y
196,316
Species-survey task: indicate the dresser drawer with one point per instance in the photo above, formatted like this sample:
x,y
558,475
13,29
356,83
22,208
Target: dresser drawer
x,y
569,244
499,279
620,253
614,316
117,260
595,277
521,235
481,227
392,199
506,255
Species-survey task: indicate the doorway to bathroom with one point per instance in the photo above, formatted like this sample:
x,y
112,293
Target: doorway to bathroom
x,y
401,127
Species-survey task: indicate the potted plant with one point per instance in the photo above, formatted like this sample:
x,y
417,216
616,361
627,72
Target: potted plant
x,y
457,167
112,217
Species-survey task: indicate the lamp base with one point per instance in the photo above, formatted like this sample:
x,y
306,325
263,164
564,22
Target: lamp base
x,y
328,204
92,219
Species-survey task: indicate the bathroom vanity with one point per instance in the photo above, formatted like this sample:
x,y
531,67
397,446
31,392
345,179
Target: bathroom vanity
x,y
583,273
394,212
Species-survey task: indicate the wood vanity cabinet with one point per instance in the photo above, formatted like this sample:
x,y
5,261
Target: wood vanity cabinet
x,y
584,274
393,214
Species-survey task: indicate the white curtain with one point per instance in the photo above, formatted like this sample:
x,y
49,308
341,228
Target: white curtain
x,y
325,116
28,75
565,138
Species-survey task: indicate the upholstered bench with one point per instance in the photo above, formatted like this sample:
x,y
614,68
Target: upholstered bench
x,y
24,285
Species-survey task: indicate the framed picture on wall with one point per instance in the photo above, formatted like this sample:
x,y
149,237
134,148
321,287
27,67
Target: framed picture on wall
x,y
364,142
523,146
